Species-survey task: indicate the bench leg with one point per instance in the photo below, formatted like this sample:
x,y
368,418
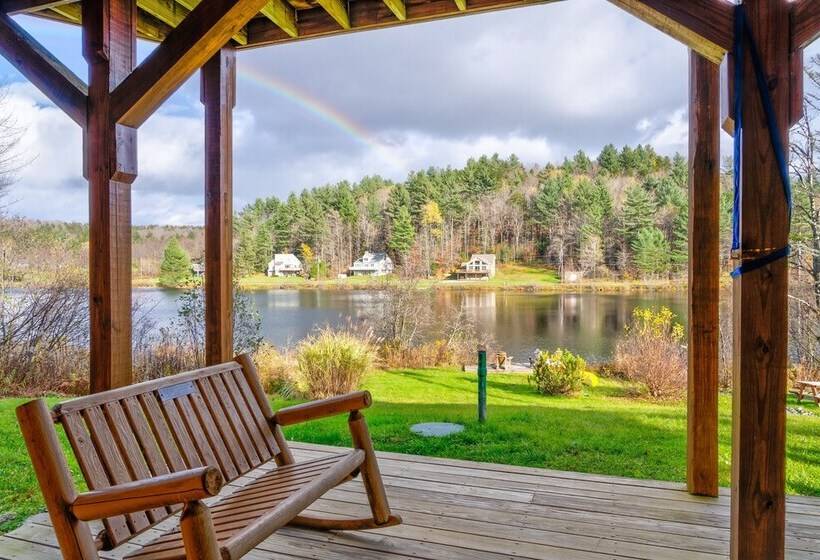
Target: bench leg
x,y
371,477
198,532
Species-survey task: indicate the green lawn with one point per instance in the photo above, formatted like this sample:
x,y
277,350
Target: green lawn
x,y
601,430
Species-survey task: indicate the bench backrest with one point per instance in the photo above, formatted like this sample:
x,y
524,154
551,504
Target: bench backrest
x,y
207,417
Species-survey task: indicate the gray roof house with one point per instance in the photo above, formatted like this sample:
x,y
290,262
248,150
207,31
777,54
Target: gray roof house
x,y
372,264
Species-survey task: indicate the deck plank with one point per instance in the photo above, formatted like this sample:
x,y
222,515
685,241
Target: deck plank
x,y
478,511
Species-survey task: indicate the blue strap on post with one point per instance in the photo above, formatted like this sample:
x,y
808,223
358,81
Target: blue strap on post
x,y
743,31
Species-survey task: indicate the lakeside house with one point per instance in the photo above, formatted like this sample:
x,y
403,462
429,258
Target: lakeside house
x,y
480,265
285,264
372,264
198,269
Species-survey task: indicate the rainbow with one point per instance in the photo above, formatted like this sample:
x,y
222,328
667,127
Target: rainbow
x,y
310,103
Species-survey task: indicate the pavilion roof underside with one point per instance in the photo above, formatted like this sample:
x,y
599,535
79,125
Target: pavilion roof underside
x,y
282,20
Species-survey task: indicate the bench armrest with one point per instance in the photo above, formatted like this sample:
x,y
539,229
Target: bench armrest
x,y
131,497
320,409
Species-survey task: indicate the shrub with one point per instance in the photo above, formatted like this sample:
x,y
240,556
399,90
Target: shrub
x,y
333,362
559,373
277,371
651,353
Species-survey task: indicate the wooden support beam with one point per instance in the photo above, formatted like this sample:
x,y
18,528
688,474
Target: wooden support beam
x,y
704,26
284,16
461,5
241,36
704,275
398,9
372,14
110,48
219,97
805,23
42,69
207,29
760,303
337,10
12,7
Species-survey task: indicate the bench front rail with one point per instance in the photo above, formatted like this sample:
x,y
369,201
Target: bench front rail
x,y
148,450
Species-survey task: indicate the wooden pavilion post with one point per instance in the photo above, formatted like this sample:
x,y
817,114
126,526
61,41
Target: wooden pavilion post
x,y
218,96
109,47
704,275
758,514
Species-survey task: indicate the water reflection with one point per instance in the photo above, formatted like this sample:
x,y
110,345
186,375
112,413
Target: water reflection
x,y
519,322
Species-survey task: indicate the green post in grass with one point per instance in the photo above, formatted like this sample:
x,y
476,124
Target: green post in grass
x,y
482,384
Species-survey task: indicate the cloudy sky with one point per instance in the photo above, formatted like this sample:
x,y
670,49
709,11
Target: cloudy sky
x,y
540,82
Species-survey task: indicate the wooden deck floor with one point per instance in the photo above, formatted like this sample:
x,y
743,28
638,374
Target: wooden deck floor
x,y
457,510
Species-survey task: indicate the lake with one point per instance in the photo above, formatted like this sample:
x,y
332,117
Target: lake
x,y
586,323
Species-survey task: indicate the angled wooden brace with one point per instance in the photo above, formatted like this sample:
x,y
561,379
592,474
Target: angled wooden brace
x,y
42,69
187,48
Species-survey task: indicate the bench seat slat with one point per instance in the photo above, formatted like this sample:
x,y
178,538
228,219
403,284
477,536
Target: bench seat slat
x,y
181,435
238,426
223,425
226,464
233,515
247,416
131,452
114,464
261,422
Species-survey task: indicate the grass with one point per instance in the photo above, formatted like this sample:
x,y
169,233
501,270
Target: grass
x,y
510,276
601,430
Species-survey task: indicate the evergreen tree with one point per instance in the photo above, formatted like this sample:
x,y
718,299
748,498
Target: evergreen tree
x,y
651,251
638,213
582,163
403,235
175,269
609,161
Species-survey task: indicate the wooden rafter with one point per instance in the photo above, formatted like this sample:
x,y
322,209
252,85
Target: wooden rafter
x,y
200,35
12,7
705,26
461,5
373,14
148,27
241,36
337,10
398,8
283,15
42,69
805,23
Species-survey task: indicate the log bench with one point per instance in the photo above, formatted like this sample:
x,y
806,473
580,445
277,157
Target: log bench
x,y
152,449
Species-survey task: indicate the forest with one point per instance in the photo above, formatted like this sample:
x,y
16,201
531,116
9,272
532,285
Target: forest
x,y
621,214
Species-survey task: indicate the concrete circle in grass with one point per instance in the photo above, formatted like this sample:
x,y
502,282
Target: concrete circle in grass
x,y
436,429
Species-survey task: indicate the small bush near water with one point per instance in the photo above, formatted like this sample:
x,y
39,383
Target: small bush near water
x,y
333,362
651,353
559,373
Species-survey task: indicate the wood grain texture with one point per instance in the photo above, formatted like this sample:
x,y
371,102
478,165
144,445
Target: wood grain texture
x,y
109,47
189,46
314,410
805,23
463,510
283,15
337,10
218,95
371,14
704,26
42,69
704,275
761,306
156,492
55,480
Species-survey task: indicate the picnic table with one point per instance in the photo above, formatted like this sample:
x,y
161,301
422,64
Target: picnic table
x,y
809,389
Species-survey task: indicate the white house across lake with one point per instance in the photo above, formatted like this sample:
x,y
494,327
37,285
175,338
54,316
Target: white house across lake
x,y
372,264
479,266
284,264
